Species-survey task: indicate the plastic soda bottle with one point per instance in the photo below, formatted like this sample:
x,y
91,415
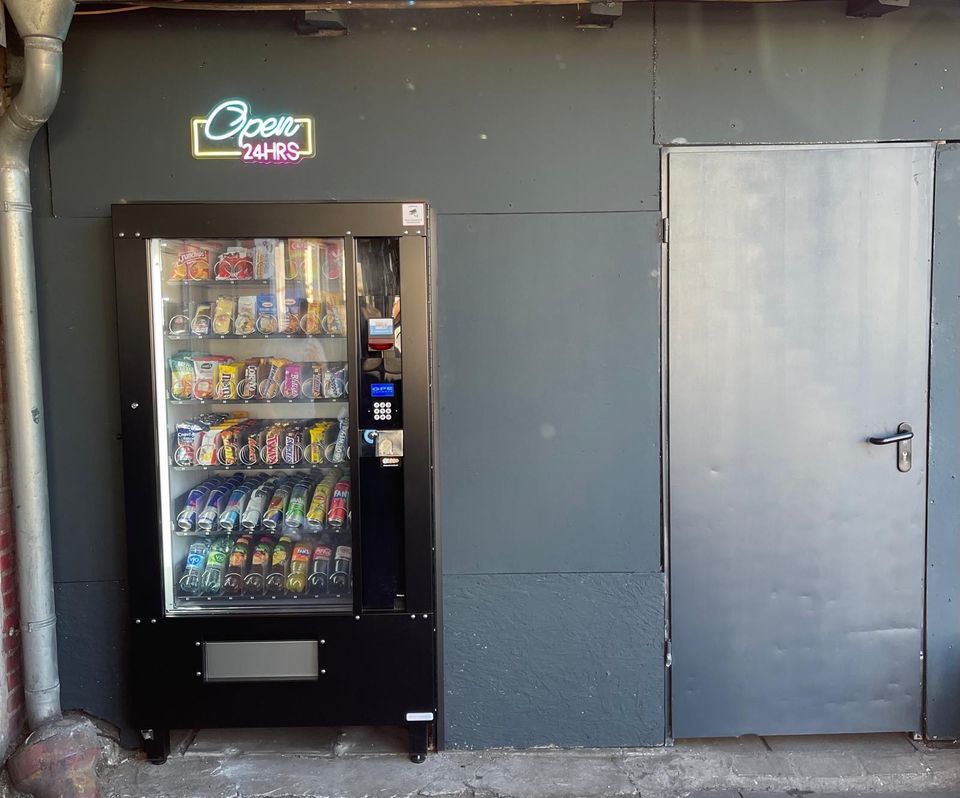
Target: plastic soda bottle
x,y
279,564
255,581
193,570
342,569
212,580
299,565
236,567
319,570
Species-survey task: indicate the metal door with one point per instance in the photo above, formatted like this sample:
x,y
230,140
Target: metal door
x,y
798,327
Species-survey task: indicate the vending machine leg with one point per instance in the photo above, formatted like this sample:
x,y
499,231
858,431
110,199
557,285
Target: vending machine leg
x,y
156,744
419,739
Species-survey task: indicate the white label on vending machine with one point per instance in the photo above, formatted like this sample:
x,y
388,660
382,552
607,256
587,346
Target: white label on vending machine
x,y
414,214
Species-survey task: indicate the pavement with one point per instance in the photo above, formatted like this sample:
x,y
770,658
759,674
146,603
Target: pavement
x,y
310,763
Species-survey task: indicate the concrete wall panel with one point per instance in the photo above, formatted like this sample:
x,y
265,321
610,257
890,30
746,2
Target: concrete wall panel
x,y
561,659
549,393
475,110
803,72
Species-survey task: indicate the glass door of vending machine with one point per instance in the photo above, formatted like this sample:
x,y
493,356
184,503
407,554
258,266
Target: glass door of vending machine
x,y
254,423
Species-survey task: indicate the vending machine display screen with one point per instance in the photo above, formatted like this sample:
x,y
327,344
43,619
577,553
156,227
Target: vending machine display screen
x,y
382,389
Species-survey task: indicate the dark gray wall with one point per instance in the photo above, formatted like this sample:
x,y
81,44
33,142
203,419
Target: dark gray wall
x,y
537,155
535,142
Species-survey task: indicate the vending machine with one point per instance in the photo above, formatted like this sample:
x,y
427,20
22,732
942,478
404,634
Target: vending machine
x,y
276,381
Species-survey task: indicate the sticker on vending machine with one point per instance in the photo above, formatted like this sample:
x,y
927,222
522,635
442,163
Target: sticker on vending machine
x,y
414,214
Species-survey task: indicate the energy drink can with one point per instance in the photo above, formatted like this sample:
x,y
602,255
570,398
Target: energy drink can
x,y
237,503
196,499
339,504
276,510
259,499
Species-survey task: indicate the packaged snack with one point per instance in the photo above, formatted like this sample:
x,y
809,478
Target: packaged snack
x,y
200,324
312,387
295,267
181,376
334,380
290,386
334,315
206,369
235,264
246,321
187,433
292,312
270,453
228,379
266,314
249,379
292,445
223,314
193,263
269,387
311,319
318,435
179,323
266,257
250,454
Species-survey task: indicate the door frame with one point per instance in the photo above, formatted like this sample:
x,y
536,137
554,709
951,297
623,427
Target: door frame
x,y
665,151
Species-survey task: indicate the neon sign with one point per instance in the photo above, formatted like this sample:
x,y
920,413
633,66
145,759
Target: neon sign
x,y
232,131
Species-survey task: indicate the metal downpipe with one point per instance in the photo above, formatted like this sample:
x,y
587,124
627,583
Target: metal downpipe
x,y
43,26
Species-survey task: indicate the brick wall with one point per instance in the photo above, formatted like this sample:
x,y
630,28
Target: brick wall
x,y
11,683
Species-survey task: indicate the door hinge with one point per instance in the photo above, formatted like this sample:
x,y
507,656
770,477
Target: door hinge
x,y
668,653
665,230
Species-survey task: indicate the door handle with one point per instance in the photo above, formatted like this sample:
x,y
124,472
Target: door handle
x,y
903,438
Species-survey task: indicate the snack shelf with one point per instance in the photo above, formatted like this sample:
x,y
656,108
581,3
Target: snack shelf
x,y
253,336
278,467
232,283
281,401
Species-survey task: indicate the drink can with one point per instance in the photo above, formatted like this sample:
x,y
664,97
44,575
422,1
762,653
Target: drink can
x,y
259,499
187,519
230,517
216,503
339,504
273,517
317,513
296,507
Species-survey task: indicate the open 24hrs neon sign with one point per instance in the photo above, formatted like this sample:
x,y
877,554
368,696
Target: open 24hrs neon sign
x,y
232,131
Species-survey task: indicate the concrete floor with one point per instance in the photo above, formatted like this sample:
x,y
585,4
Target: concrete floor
x,y
248,763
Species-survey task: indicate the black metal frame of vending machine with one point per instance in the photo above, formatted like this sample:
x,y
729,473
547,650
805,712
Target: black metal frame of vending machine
x,y
373,665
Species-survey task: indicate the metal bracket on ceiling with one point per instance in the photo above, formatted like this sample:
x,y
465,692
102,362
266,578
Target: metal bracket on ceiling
x,y
598,15
322,24
874,8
